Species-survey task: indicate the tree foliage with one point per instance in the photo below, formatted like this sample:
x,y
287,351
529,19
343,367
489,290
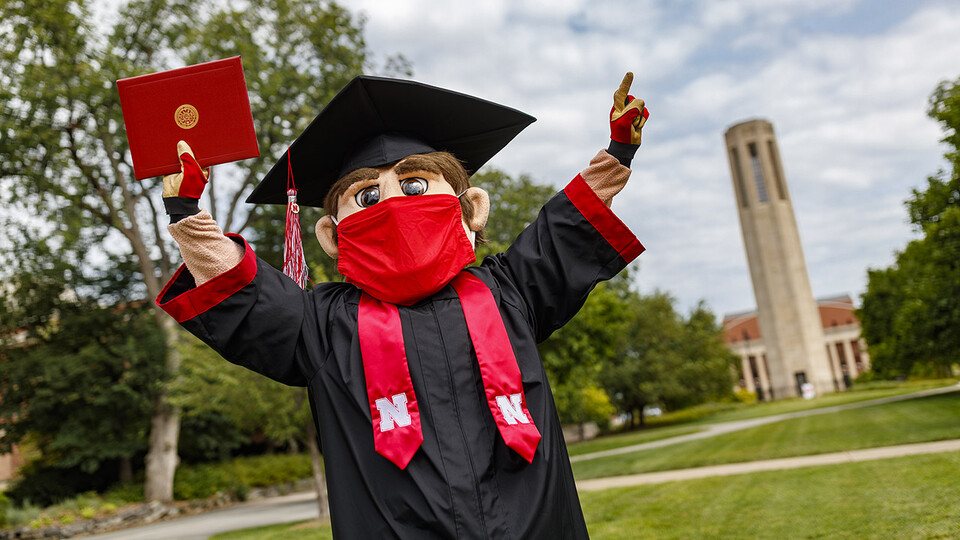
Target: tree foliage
x,y
82,386
664,359
255,405
65,167
911,310
80,390
514,204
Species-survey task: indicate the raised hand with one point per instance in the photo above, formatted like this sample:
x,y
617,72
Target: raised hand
x,y
191,179
628,114
181,191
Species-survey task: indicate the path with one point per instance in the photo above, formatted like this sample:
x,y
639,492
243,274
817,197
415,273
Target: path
x,y
712,430
850,456
285,509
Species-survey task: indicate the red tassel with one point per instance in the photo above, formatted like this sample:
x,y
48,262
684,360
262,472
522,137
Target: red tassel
x,y
294,265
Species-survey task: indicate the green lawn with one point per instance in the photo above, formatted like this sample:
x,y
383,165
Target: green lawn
x,y
911,497
692,420
725,412
312,530
925,419
629,439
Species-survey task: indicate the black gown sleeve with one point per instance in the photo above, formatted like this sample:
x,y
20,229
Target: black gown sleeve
x,y
575,243
252,315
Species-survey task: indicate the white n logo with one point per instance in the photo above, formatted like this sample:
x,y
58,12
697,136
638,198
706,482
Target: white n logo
x,y
393,412
511,409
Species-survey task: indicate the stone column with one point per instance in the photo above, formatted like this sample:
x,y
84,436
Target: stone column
x,y
835,366
747,373
851,360
765,378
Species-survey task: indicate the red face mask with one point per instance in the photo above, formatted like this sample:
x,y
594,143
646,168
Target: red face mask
x,y
404,249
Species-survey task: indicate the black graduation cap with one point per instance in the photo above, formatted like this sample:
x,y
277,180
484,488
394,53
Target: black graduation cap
x,y
375,121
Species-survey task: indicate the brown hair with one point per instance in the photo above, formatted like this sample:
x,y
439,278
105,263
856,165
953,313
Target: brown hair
x,y
442,163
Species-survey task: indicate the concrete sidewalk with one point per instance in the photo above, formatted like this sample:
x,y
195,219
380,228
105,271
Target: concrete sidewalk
x,y
868,454
284,509
712,430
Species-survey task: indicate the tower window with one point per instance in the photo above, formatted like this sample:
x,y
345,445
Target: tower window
x,y
757,172
781,190
738,176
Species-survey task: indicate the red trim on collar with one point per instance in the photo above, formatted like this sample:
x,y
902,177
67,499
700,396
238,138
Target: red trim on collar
x,y
603,219
197,300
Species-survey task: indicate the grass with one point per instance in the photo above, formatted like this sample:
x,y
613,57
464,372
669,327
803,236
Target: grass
x,y
692,419
301,530
920,420
910,497
725,412
629,439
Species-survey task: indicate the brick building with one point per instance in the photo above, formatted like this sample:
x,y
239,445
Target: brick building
x,y
842,343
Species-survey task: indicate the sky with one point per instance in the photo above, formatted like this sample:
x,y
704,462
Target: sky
x,y
845,84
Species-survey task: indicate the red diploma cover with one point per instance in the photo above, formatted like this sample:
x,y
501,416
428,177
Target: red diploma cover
x,y
205,105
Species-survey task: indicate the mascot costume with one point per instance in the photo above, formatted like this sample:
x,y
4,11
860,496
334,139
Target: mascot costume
x,y
427,389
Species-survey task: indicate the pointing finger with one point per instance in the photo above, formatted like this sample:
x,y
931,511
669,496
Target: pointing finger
x,y
620,96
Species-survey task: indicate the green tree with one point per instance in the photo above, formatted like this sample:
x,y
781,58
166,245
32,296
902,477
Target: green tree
x,y
78,377
911,310
706,369
575,354
253,403
640,373
63,149
81,392
665,360
514,204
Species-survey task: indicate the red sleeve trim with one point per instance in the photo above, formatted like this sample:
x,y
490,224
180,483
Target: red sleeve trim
x,y
603,219
183,300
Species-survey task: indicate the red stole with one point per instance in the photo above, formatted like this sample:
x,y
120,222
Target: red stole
x,y
393,405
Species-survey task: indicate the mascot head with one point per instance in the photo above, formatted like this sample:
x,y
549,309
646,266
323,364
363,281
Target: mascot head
x,y
389,160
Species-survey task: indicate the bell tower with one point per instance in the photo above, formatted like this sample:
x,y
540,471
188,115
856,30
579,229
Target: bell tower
x,y
787,313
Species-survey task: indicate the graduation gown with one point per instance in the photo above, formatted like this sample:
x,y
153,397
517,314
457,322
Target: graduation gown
x,y
463,482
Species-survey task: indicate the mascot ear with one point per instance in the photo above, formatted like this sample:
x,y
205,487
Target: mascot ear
x,y
480,200
327,235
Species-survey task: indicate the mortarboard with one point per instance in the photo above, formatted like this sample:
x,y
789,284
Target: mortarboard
x,y
375,121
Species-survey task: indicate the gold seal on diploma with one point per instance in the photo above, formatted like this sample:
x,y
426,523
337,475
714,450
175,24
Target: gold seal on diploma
x,y
186,116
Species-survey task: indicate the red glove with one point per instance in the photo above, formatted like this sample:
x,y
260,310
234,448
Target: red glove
x,y
181,191
191,179
628,114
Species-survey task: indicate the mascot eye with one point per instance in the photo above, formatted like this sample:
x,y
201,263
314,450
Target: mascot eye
x,y
368,196
413,186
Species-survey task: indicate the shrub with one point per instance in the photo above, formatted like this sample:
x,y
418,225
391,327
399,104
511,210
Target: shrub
x,y
125,493
237,476
20,515
45,485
